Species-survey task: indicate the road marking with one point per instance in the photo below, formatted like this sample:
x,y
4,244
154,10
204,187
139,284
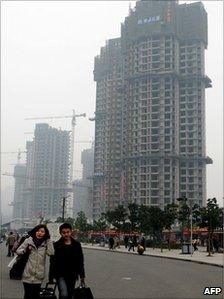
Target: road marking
x,y
126,278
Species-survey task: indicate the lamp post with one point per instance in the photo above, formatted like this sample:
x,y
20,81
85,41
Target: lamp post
x,y
191,219
191,215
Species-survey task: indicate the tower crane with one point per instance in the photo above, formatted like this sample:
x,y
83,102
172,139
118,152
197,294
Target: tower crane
x,y
19,152
73,123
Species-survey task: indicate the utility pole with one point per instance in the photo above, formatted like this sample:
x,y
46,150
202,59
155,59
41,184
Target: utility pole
x,y
191,215
63,209
191,219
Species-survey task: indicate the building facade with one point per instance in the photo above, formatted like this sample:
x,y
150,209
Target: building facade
x,y
19,204
108,74
83,188
155,152
48,171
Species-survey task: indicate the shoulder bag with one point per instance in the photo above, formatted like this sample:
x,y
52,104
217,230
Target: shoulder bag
x,y
18,267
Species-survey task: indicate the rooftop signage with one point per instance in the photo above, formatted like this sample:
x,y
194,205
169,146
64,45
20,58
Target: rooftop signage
x,y
149,20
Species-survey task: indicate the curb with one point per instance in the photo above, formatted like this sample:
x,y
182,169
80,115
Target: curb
x,y
158,256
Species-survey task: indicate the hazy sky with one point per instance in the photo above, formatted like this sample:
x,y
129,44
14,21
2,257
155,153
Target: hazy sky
x,y
47,52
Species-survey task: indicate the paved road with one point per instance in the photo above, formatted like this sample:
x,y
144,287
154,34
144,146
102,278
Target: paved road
x,y
113,275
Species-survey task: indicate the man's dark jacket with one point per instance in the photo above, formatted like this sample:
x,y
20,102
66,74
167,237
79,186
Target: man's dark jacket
x,y
67,261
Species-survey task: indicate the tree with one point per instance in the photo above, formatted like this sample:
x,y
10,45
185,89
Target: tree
x,y
59,220
152,220
100,224
117,217
170,215
81,222
144,220
66,220
157,222
185,211
210,218
133,216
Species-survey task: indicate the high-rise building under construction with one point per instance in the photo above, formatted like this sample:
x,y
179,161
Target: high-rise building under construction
x,y
47,171
150,108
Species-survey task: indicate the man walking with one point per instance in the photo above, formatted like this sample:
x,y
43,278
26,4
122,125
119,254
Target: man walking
x,y
131,244
10,242
67,264
126,241
111,243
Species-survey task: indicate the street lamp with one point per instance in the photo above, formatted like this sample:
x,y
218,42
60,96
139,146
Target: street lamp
x,y
191,215
191,218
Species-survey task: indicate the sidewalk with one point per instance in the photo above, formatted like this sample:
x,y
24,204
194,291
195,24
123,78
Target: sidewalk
x,y
200,256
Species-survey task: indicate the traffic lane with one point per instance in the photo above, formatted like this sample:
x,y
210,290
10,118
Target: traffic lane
x,y
116,275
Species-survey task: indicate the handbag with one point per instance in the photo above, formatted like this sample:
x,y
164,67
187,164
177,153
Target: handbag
x,y
12,262
18,267
48,291
83,292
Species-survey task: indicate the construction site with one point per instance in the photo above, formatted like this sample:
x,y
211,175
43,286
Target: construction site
x,y
150,108
149,145
45,184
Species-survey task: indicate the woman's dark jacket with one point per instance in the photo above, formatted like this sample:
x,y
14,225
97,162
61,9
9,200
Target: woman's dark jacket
x,y
68,261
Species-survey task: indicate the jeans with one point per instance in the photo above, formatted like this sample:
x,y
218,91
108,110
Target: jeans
x,y
31,290
66,287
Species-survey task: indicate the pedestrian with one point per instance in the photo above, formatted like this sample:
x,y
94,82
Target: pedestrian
x,y
195,243
67,264
131,244
118,242
215,243
111,243
140,249
168,242
18,243
39,245
126,238
10,242
203,242
17,237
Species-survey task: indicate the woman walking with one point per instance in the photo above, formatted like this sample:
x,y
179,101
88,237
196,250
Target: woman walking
x,y
38,245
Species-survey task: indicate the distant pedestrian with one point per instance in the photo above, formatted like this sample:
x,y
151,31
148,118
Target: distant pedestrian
x,y
117,242
92,240
17,237
67,264
203,241
135,240
126,238
111,243
168,242
39,245
215,242
2,238
140,249
131,244
195,243
143,242
10,242
19,242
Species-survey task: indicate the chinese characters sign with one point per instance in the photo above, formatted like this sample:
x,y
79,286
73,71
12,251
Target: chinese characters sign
x,y
148,20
